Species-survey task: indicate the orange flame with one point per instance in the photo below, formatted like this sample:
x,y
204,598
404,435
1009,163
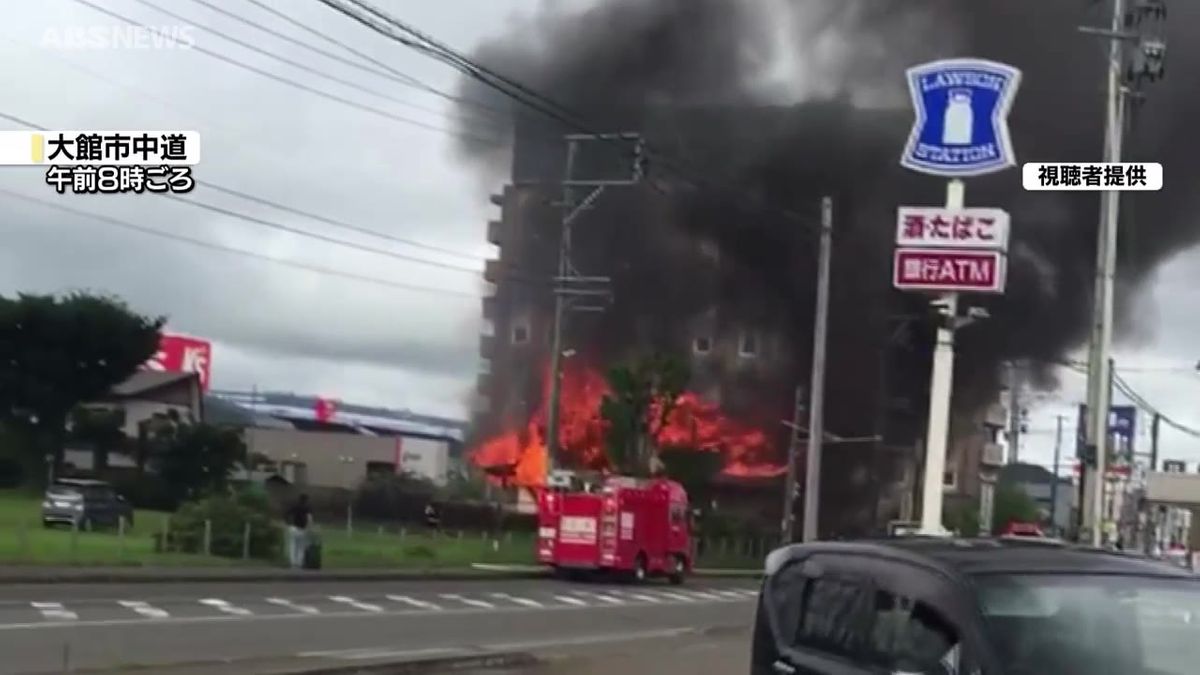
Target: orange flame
x,y
519,458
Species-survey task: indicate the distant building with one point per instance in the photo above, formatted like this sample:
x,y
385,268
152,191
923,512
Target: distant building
x,y
147,393
1038,483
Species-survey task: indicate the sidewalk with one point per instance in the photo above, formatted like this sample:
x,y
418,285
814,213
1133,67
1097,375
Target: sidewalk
x,y
133,574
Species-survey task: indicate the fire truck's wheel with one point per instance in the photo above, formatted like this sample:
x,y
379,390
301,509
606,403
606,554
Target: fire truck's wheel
x,y
639,568
678,569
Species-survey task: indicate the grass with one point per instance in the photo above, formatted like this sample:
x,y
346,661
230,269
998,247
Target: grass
x,y
23,541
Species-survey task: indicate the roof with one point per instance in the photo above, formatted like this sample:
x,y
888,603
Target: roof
x,y
1000,555
143,381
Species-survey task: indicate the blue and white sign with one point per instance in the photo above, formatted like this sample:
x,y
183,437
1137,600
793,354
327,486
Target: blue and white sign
x,y
962,117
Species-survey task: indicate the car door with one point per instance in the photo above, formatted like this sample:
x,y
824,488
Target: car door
x,y
814,618
924,622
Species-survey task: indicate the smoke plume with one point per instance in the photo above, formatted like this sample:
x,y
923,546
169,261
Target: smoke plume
x,y
807,97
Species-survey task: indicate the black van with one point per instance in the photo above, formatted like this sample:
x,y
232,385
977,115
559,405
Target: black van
x,y
944,606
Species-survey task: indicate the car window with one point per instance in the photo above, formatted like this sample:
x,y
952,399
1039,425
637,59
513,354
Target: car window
x,y
909,636
1093,625
835,617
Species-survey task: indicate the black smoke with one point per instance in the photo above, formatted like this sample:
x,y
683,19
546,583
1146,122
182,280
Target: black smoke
x,y
774,103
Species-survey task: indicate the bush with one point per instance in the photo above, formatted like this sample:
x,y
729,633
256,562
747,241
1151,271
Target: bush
x,y
147,491
229,515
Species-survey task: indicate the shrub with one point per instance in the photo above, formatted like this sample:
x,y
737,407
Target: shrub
x,y
229,515
147,491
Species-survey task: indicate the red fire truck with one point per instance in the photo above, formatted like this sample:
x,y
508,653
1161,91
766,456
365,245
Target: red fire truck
x,y
639,528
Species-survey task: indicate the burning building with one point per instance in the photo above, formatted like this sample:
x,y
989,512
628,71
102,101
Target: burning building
x,y
753,112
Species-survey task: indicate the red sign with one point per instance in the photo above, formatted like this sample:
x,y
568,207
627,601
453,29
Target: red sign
x,y
183,354
919,269
929,227
325,409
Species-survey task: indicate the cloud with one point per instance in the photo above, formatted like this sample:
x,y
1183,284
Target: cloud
x,y
273,325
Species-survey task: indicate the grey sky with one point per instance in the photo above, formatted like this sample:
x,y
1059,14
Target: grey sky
x,y
281,328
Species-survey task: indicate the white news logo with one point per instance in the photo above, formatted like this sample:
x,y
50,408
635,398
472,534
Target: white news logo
x,y
1092,176
118,37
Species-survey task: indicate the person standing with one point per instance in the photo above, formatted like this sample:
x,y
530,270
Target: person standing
x,y
299,519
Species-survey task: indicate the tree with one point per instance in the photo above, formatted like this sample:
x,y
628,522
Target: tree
x,y
694,470
57,352
101,429
1012,505
644,393
197,459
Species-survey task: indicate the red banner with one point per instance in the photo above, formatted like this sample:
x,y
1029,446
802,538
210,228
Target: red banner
x,y
325,409
183,354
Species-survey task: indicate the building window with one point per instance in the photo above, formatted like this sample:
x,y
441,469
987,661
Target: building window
x,y
748,344
950,479
702,345
520,333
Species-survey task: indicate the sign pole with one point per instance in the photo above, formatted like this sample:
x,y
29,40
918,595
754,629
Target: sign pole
x,y
940,390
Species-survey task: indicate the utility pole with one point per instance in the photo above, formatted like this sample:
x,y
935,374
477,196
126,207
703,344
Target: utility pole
x,y
816,409
788,529
940,389
1014,412
570,286
1054,482
1147,66
1154,441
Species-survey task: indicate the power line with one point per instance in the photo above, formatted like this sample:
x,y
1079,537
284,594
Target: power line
x,y
379,71
426,44
317,269
1141,402
317,236
299,85
283,59
399,75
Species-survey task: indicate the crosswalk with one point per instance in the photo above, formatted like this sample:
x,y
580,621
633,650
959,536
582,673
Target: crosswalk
x,y
370,603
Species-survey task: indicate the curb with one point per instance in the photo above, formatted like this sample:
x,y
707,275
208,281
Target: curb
x,y
108,577
154,576
440,665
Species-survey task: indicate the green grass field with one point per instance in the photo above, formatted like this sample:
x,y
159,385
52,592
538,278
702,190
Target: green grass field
x,y
23,541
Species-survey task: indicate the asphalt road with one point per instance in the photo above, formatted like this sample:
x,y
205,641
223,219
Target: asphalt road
x,y
46,627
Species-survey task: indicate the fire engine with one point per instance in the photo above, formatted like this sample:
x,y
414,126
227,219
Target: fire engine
x,y
635,527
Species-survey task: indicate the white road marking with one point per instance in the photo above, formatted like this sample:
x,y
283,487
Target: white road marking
x,y
640,596
304,609
224,606
520,601
729,594
675,596
749,593
414,602
702,595
570,601
145,609
364,606
54,610
601,596
468,601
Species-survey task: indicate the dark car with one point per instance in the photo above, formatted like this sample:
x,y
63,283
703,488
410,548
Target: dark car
x,y
942,606
84,503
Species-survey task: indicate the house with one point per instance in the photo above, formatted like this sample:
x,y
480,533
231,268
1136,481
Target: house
x,y
1039,484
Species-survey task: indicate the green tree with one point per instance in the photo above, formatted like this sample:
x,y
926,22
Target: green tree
x,y
1013,505
963,519
57,352
101,429
643,395
197,459
695,470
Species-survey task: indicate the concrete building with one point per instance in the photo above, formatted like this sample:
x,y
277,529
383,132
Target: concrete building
x,y
329,459
685,281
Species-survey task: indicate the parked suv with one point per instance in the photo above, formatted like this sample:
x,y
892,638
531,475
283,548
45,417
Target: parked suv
x,y
84,503
944,606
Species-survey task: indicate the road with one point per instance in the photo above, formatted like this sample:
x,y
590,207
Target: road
x,y
44,627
